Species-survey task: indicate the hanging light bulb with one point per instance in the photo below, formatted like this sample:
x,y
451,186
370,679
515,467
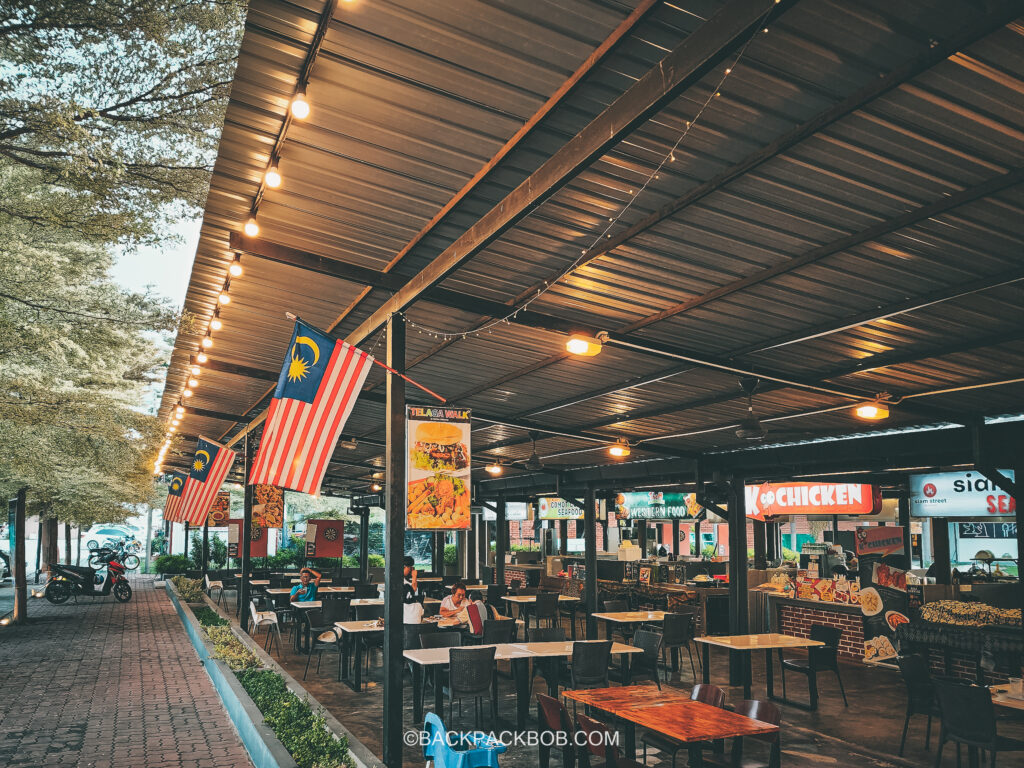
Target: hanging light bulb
x,y
215,323
179,411
207,341
201,357
175,422
196,370
225,297
187,393
235,269
620,448
251,228
376,487
193,382
272,178
299,105
494,469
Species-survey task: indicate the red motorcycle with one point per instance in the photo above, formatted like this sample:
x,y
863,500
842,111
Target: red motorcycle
x,y
73,580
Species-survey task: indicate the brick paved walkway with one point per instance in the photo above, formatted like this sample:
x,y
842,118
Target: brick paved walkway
x,y
106,685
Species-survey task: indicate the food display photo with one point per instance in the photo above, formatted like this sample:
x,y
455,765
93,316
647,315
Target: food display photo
x,y
438,473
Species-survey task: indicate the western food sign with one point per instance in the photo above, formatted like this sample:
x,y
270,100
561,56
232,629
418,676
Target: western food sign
x,y
776,499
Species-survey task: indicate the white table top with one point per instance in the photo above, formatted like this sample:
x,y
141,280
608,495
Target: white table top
x,y
259,582
533,599
505,651
758,642
322,581
325,590
308,604
358,626
367,601
631,617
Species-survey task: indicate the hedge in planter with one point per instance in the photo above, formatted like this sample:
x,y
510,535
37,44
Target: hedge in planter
x,y
303,732
190,590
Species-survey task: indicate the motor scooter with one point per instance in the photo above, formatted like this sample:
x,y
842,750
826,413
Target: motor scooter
x,y
73,580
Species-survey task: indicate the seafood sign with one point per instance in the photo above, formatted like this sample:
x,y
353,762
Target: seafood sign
x,y
438,468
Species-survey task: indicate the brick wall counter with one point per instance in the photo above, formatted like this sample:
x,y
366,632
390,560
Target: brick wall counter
x,y
795,617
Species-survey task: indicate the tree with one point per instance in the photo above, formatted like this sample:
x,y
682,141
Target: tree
x,y
116,105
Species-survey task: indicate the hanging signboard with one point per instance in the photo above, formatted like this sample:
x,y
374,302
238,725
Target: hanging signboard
x,y
987,530
220,511
438,470
959,494
257,540
655,505
775,499
885,540
325,538
553,508
268,506
884,604
514,511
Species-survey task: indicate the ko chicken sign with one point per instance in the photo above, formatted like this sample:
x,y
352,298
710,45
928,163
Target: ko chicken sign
x,y
775,499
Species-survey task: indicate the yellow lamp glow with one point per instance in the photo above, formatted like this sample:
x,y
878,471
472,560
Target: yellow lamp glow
x,y
193,382
224,297
201,357
299,106
376,487
216,324
207,342
251,228
235,269
620,449
872,411
196,370
584,346
494,469
186,393
273,176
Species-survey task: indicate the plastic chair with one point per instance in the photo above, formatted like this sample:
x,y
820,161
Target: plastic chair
x,y
469,750
819,658
920,694
705,693
471,675
266,619
337,610
364,591
646,664
439,672
494,594
323,636
766,712
591,661
574,612
547,635
968,717
600,742
212,585
544,609
498,631
554,718
679,630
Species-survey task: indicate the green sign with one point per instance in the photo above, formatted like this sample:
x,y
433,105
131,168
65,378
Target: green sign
x,y
12,517
654,505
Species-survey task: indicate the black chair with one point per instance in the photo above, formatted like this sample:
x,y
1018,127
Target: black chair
x,y
324,636
645,664
363,591
371,640
547,635
494,594
679,630
920,694
514,585
591,662
573,612
554,719
411,634
765,712
600,741
439,672
544,609
819,658
498,631
705,693
337,610
471,675
968,717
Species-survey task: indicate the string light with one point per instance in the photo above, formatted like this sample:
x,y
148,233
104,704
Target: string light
x,y
193,382
186,393
251,228
207,341
299,105
180,411
605,234
201,357
235,269
225,297
494,469
215,323
272,178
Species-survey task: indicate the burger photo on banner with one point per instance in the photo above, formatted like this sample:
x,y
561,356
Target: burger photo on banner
x,y
325,538
438,471
268,506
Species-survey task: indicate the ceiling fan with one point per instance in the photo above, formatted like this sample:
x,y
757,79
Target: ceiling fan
x,y
534,464
750,427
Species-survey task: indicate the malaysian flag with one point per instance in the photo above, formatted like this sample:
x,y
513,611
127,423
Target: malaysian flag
x,y
319,383
173,504
210,466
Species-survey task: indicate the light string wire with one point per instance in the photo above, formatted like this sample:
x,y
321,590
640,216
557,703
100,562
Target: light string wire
x,y
439,333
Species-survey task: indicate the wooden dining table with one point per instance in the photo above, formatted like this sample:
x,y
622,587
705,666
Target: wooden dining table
x,y
621,698
628,618
748,644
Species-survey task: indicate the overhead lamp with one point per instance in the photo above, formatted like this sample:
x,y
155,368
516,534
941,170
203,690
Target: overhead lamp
x,y
224,297
201,357
494,469
251,228
235,268
620,448
875,411
584,346
376,488
196,370
187,393
215,321
377,475
272,178
207,342
349,445
299,105
193,382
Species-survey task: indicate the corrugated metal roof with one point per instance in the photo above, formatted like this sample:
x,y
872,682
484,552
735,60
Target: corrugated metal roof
x,y
411,100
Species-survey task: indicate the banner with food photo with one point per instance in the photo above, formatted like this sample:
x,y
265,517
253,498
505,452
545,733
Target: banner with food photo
x,y
220,511
325,538
268,506
656,505
884,604
438,472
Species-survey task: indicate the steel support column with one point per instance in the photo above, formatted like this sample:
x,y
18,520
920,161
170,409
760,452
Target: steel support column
x,y
472,572
206,548
675,538
500,539
1018,499
364,543
394,543
904,518
590,559
563,537
771,550
940,549
738,618
244,542
760,545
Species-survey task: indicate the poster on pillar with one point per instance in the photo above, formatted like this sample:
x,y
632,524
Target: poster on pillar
x,y
220,511
325,538
438,468
257,540
883,600
268,506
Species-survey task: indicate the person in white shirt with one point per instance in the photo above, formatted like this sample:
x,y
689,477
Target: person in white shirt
x,y
456,602
412,598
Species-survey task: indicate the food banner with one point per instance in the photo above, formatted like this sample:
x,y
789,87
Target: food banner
x,y
268,506
655,505
883,540
438,472
827,590
552,508
884,604
776,499
220,511
257,540
325,538
959,494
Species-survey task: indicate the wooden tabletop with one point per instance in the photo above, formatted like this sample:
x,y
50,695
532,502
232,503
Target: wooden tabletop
x,y
367,601
358,626
505,651
428,579
631,617
692,721
758,642
565,648
303,604
1001,698
624,697
259,582
533,599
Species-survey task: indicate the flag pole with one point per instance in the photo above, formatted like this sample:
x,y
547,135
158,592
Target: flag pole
x,y
387,368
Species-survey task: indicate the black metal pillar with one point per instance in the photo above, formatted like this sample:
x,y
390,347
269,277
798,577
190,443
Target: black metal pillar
x,y
483,544
940,549
604,533
675,538
563,537
437,553
772,551
206,548
472,572
590,559
18,565
760,545
500,540
188,544
904,513
738,612
245,543
1018,500
641,537
364,543
394,543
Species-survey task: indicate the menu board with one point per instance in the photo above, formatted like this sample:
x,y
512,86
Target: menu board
x,y
827,590
268,506
257,539
883,540
884,604
655,505
438,470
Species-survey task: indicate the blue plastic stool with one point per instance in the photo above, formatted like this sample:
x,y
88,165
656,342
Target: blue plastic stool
x,y
468,750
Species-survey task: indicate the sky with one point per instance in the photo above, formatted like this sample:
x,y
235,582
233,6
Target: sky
x,y
166,269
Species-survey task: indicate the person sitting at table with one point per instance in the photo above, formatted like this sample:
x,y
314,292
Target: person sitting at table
x,y
454,603
412,598
305,590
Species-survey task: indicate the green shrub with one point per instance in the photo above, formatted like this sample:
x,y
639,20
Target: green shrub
x,y
171,564
231,650
302,732
349,561
451,557
208,617
190,590
375,561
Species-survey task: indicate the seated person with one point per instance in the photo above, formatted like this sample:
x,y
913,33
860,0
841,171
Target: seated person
x,y
456,602
305,590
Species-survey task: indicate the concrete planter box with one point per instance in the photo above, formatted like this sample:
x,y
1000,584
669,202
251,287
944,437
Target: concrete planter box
x,y
264,748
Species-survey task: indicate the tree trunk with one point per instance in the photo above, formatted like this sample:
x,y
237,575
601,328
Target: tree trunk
x,y
67,543
48,533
